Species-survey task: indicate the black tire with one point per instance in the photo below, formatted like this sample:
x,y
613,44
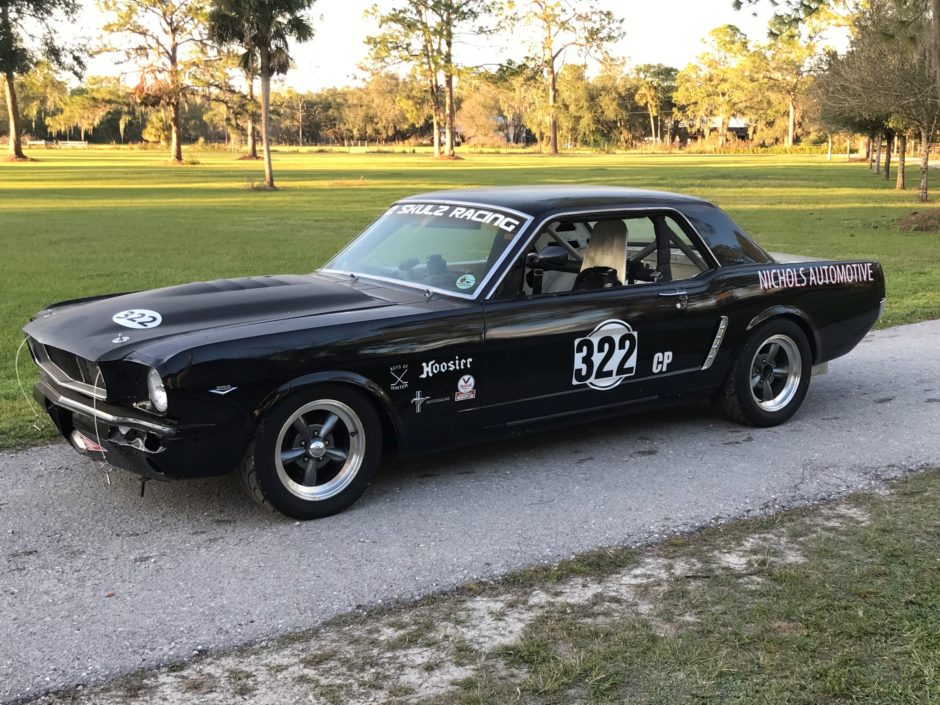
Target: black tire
x,y
776,395
302,473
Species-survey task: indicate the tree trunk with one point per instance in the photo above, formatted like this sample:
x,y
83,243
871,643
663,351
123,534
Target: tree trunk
x,y
935,39
828,148
266,119
652,124
449,115
924,159
868,150
878,153
15,150
552,101
450,112
436,122
848,148
889,136
176,143
791,122
902,153
250,127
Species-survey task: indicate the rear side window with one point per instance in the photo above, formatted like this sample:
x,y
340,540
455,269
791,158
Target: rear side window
x,y
725,239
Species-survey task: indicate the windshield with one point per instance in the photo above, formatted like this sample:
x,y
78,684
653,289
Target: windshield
x,y
441,246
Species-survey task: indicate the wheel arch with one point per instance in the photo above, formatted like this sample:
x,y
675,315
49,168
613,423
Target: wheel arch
x,y
796,315
388,417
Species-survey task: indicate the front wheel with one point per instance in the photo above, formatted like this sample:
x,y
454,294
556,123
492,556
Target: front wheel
x,y
770,375
315,453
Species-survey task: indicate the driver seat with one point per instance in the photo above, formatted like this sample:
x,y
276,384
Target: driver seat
x,y
605,261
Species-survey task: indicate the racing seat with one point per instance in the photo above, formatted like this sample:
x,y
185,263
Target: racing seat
x,y
606,257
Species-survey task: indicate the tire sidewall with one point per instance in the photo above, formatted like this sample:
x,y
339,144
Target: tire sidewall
x,y
266,441
742,372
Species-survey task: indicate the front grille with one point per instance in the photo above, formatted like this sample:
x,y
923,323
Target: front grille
x,y
69,370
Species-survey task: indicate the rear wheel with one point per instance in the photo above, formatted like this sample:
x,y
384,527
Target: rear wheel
x,y
770,376
315,453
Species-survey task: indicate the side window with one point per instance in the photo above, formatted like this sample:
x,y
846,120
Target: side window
x,y
604,253
685,258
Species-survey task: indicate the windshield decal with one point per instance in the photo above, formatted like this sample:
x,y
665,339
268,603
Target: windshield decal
x,y
503,221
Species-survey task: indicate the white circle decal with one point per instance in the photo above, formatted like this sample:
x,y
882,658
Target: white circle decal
x,y
139,318
466,281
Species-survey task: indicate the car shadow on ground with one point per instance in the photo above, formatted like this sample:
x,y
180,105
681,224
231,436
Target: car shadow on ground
x,y
221,500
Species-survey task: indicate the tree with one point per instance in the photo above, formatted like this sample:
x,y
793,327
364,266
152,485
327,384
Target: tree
x,y
161,37
20,49
87,107
564,25
421,34
714,88
657,86
40,94
884,80
263,29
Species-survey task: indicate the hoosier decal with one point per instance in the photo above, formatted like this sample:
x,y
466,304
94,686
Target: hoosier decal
x,y
816,275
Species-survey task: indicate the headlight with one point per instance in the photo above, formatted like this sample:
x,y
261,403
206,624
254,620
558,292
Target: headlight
x,y
157,390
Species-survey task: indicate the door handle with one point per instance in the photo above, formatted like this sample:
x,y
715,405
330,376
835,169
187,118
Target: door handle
x,y
680,295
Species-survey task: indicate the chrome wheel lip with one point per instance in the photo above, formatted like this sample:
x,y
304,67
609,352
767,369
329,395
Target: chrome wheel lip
x,y
778,357
355,453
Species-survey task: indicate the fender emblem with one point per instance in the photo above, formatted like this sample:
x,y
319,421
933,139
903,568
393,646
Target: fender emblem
x,y
223,390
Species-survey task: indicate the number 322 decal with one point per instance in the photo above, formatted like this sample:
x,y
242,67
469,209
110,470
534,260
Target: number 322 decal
x,y
139,318
604,358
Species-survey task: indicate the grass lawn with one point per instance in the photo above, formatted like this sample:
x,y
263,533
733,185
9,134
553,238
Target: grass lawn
x,y
86,222
836,603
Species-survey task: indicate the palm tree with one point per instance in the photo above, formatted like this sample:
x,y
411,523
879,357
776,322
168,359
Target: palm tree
x,y
263,29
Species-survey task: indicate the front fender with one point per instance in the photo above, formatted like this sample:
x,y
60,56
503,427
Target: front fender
x,y
374,391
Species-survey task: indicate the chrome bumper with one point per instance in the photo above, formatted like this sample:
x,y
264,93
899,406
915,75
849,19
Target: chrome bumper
x,y
44,391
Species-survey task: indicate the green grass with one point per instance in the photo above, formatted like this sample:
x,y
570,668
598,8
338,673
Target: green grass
x,y
79,223
855,618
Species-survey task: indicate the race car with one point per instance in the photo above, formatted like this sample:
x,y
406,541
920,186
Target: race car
x,y
456,316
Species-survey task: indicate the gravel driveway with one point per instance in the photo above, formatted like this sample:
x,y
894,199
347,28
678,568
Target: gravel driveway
x,y
96,581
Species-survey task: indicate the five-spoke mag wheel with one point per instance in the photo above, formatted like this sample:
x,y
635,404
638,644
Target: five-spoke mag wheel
x,y
320,449
769,376
315,452
776,371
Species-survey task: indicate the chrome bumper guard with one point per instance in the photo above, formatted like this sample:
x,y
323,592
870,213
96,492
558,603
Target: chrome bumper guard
x,y
44,389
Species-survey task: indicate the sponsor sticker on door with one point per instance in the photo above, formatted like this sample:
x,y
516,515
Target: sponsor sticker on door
x,y
606,356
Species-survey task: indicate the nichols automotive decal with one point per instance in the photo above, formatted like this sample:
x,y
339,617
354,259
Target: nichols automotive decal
x,y
398,377
429,369
138,318
607,356
816,275
487,216
466,388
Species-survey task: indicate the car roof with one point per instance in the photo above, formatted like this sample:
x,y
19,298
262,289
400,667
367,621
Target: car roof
x,y
544,200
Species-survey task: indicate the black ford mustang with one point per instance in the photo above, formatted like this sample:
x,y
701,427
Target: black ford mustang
x,y
456,316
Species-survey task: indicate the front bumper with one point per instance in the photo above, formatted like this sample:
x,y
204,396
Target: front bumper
x,y
151,447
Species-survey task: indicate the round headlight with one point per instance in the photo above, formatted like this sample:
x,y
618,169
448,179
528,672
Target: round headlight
x,y
157,390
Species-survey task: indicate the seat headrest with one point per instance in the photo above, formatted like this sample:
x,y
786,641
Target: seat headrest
x,y
609,229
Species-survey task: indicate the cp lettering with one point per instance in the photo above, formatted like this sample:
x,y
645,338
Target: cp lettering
x,y
661,361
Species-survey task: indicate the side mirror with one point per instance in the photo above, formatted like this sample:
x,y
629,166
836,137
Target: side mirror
x,y
549,257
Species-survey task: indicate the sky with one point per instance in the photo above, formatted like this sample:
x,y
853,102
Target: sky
x,y
657,31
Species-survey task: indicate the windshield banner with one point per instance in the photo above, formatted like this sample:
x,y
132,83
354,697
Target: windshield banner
x,y
488,216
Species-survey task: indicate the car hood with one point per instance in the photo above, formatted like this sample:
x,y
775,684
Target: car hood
x,y
86,327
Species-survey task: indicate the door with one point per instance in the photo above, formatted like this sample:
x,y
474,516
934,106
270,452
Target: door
x,y
563,351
